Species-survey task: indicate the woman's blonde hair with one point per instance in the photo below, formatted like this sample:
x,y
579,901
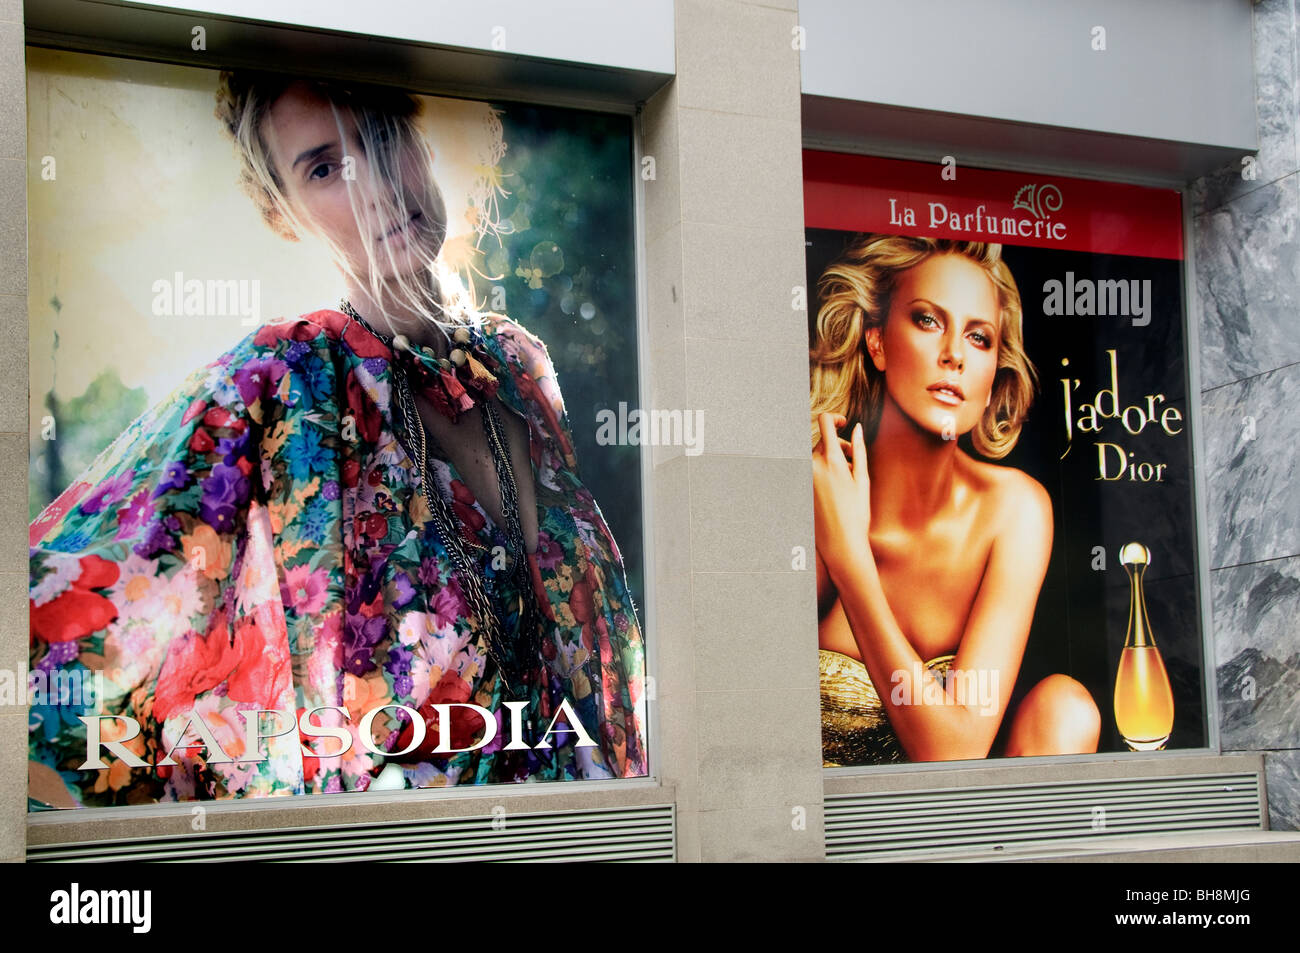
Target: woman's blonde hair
x,y
385,122
855,292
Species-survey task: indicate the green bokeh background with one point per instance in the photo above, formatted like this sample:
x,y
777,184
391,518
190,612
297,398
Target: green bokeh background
x,y
570,178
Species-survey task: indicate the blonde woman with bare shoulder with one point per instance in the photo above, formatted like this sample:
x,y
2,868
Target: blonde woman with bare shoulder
x,y
929,560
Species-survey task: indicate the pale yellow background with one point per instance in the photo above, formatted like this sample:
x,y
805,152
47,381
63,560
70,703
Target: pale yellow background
x,y
146,185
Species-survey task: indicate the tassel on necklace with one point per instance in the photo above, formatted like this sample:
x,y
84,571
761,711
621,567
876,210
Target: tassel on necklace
x,y
456,392
481,377
451,384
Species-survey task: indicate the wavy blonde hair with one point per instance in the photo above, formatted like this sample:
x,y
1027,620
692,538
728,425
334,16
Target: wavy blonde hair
x,y
855,291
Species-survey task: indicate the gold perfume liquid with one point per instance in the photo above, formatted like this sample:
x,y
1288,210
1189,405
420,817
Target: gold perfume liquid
x,y
1144,701
1144,704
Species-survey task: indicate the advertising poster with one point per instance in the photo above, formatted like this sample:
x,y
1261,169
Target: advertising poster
x,y
318,498
1007,547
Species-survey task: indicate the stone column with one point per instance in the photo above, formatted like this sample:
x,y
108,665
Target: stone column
x,y
13,427
735,592
1247,234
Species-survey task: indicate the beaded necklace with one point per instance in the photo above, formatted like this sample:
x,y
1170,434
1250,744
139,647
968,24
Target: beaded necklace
x,y
514,654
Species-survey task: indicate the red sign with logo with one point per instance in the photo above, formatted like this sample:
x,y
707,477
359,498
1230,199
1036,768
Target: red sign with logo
x,y
1017,208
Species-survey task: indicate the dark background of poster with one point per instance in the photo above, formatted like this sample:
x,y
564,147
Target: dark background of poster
x,y
570,178
1082,614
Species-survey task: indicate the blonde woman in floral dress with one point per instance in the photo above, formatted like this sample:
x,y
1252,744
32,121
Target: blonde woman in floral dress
x,y
365,508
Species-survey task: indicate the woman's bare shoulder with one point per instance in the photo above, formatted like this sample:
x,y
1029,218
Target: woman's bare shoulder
x,y
1014,498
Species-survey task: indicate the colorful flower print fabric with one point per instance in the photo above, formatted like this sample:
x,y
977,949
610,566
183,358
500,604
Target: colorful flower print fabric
x,y
250,577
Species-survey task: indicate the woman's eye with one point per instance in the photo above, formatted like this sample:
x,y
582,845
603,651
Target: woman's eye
x,y
982,339
926,320
322,171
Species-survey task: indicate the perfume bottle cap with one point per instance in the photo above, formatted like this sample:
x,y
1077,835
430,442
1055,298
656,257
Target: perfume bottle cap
x,y
1134,554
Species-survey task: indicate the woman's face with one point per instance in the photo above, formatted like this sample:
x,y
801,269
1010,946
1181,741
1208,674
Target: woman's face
x,y
938,348
302,135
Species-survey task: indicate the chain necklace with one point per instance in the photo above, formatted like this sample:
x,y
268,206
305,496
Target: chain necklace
x,y
514,654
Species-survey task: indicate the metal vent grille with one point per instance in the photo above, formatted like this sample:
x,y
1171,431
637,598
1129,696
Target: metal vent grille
x,y
992,821
623,834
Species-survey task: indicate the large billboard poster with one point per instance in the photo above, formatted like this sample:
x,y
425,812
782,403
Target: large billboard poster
x,y
1006,541
319,503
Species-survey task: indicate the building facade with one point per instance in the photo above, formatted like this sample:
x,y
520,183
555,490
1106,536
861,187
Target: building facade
x,y
726,100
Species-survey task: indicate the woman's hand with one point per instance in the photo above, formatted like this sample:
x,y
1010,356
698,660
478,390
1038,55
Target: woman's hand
x,y
841,496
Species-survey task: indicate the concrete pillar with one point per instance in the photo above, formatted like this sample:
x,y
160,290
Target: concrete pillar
x,y
13,423
738,689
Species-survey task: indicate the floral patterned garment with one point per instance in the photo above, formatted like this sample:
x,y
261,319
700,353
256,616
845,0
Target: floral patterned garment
x,y
259,541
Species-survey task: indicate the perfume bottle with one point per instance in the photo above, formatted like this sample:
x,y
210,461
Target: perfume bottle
x,y
1144,702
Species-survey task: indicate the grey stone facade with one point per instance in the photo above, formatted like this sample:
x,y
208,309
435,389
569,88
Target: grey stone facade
x,y
1248,284
732,623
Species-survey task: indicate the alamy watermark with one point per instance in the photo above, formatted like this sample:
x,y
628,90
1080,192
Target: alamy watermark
x,y
1088,297
76,906
78,688
179,296
956,686
655,427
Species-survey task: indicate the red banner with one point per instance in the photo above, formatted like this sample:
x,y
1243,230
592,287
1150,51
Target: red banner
x,y
1019,208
